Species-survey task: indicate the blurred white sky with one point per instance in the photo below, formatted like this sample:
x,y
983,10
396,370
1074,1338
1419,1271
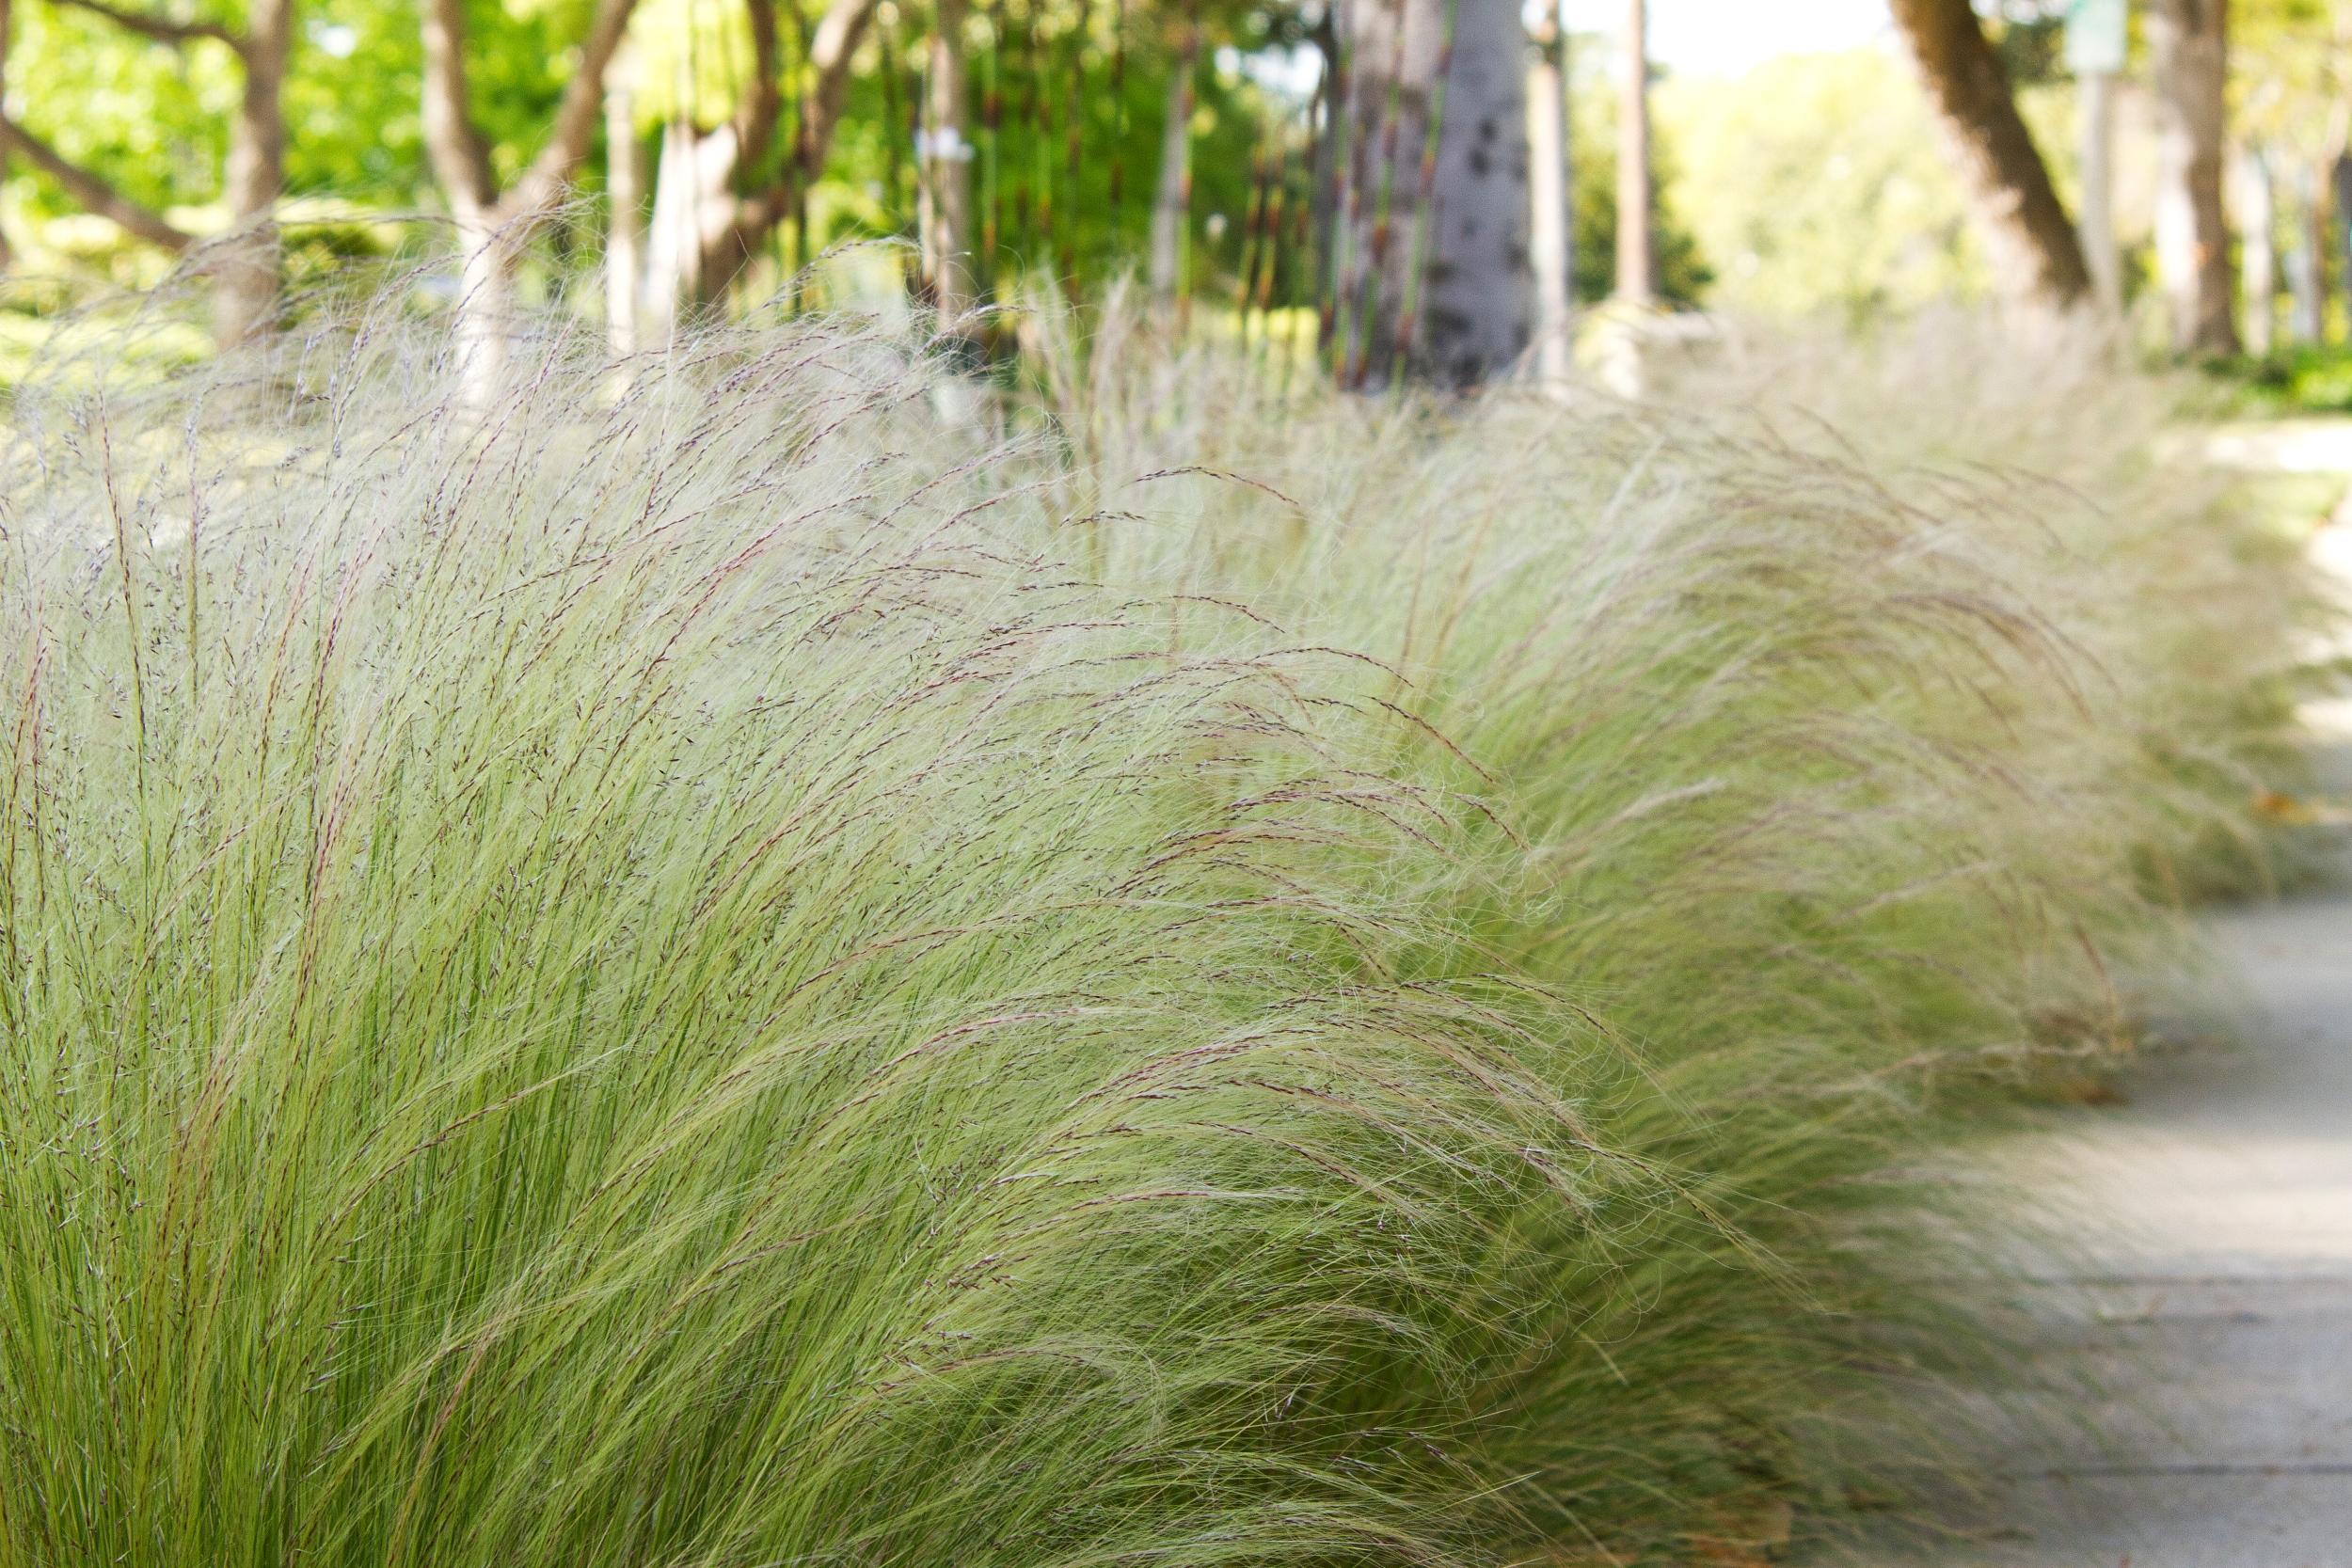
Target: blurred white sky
x,y
1695,37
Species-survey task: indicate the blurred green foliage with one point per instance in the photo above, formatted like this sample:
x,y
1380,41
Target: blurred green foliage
x,y
1683,272
1809,185
2303,379
1814,185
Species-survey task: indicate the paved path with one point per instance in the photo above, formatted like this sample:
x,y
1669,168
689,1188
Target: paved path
x,y
2207,1227
2320,444
2210,1291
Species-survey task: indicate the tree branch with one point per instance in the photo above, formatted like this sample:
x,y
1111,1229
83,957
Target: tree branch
x,y
575,117
763,104
836,39
92,192
158,28
829,51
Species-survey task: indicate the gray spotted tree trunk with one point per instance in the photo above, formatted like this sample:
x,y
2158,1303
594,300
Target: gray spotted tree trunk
x,y
1430,246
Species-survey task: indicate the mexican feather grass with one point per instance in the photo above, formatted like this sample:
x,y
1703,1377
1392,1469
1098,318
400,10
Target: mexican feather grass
x,y
718,969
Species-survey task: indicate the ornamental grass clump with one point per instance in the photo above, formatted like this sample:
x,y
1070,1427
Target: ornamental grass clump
x,y
760,956
642,979
1852,770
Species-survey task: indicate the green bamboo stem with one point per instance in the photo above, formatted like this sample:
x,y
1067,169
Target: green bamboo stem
x,y
1416,260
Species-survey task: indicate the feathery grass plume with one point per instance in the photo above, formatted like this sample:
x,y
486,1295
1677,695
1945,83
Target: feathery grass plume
x,y
644,977
1832,769
2184,583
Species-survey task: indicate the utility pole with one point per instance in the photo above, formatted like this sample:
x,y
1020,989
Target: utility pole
x,y
2097,32
1551,236
1637,261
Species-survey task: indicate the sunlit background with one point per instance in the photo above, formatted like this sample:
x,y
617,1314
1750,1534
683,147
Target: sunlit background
x,y
1796,170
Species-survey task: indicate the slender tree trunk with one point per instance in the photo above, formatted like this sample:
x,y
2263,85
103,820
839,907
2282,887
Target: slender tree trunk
x,y
1073,133
1325,168
948,175
7,257
2188,45
2100,256
245,269
1457,307
2304,314
1171,203
1550,227
2036,259
2257,222
2325,231
690,254
1637,199
462,159
624,184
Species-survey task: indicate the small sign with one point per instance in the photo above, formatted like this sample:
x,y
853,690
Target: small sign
x,y
2097,34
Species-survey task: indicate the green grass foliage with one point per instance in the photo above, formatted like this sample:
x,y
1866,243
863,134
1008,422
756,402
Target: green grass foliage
x,y
755,961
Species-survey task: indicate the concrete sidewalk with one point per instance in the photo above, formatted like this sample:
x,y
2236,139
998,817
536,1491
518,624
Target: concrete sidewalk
x,y
2208,1233
2210,1291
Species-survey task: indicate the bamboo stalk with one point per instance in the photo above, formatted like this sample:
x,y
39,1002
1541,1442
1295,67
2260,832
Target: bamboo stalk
x,y
1331,96
1271,259
1253,221
1184,225
892,118
1042,153
991,172
801,85
1360,350
1271,253
1417,259
1024,200
1353,166
1303,257
1119,113
1076,140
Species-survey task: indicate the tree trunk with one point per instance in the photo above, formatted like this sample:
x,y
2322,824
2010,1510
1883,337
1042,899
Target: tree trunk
x,y
695,199
695,217
2187,42
2100,256
2037,261
7,257
1552,227
1171,203
947,239
2304,312
1325,169
2257,222
1637,197
493,226
245,265
625,188
1439,121
2324,232
487,251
